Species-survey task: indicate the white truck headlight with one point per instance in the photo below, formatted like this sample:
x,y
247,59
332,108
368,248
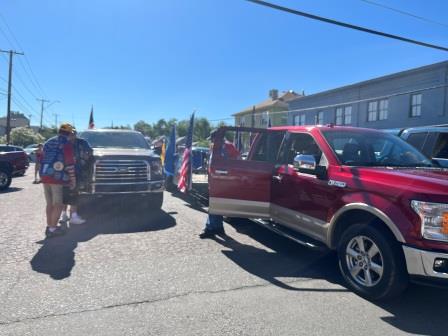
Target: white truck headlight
x,y
434,218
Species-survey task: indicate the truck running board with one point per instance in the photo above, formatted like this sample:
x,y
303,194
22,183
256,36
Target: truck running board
x,y
290,234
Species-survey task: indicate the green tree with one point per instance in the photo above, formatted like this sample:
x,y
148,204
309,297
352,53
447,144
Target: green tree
x,y
24,136
47,132
144,128
122,127
161,128
202,128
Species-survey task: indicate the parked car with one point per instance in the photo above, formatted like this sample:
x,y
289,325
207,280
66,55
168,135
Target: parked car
x,y
370,196
31,150
19,160
124,165
432,141
12,163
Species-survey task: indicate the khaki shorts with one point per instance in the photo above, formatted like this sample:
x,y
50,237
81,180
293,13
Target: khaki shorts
x,y
53,193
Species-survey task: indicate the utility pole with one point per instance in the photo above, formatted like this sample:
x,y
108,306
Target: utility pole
x,y
56,120
43,101
8,108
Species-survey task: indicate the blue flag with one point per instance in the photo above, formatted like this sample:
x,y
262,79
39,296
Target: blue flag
x,y
170,159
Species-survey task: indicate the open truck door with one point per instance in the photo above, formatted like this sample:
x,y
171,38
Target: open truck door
x,y
240,185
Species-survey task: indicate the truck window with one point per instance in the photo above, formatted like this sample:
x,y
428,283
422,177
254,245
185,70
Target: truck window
x,y
375,150
441,148
299,143
267,146
417,139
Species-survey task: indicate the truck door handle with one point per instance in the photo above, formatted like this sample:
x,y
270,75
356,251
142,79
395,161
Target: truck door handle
x,y
221,172
277,178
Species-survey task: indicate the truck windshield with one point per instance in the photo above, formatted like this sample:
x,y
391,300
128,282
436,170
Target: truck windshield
x,y
374,150
115,139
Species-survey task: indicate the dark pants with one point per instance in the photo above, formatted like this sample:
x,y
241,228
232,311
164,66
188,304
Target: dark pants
x,y
214,223
70,197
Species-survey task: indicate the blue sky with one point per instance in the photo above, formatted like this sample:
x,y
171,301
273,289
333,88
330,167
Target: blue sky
x,y
148,60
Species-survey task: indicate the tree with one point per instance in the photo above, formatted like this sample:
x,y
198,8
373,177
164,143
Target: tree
x,y
144,128
24,136
202,128
122,127
47,132
161,128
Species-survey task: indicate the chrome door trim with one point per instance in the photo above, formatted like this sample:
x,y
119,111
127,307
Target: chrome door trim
x,y
239,208
300,222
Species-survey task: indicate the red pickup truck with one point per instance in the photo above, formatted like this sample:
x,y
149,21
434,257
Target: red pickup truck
x,y
376,200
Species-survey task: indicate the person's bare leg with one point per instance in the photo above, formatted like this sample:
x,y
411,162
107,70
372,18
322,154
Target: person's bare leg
x,y
56,214
49,212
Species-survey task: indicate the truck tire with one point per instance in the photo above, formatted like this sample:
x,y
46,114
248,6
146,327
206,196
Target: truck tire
x,y
154,202
5,179
372,262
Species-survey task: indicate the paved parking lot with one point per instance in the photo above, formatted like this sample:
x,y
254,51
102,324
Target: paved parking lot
x,y
129,272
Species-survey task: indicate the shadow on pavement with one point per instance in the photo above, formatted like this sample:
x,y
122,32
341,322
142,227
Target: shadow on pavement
x,y
281,259
56,257
420,310
10,190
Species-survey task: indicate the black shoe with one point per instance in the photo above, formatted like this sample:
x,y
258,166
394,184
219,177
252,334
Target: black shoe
x,y
56,233
211,233
207,234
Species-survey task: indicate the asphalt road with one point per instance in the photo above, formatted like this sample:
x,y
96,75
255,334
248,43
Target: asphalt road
x,y
127,272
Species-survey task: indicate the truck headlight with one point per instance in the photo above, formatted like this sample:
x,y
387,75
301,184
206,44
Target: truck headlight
x,y
156,168
434,218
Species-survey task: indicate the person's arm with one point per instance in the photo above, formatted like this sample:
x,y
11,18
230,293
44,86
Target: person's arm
x,y
69,163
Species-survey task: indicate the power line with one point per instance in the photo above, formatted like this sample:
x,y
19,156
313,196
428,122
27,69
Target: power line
x,y
405,13
33,78
346,25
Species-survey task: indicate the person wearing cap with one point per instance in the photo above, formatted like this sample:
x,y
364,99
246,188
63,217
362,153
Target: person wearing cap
x,y
57,170
83,154
214,225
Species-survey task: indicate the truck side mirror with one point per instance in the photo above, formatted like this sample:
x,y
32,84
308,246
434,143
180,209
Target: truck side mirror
x,y
303,161
307,164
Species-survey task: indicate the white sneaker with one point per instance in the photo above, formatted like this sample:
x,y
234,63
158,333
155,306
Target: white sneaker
x,y
77,220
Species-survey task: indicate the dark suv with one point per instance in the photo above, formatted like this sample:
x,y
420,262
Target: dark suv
x,y
431,140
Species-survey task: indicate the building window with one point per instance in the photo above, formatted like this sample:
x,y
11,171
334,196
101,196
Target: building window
x,y
384,108
320,118
372,111
344,115
299,120
416,105
347,115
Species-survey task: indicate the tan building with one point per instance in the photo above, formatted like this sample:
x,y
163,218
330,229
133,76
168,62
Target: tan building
x,y
273,110
17,120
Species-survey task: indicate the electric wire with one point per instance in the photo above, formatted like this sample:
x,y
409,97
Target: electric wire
x,y
346,25
405,13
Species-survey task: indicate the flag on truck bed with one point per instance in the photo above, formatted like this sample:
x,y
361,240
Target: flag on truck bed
x,y
185,177
91,122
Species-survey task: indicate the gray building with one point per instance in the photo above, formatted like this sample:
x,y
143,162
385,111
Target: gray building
x,y
416,97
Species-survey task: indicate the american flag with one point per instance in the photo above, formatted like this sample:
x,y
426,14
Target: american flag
x,y
185,170
91,122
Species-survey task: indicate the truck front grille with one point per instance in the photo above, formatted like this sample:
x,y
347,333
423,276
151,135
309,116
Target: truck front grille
x,y
121,171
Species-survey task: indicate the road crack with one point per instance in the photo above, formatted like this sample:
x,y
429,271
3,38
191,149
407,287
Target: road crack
x,y
150,301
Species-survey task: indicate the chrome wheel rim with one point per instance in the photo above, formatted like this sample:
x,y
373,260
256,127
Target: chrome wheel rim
x,y
364,260
3,179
